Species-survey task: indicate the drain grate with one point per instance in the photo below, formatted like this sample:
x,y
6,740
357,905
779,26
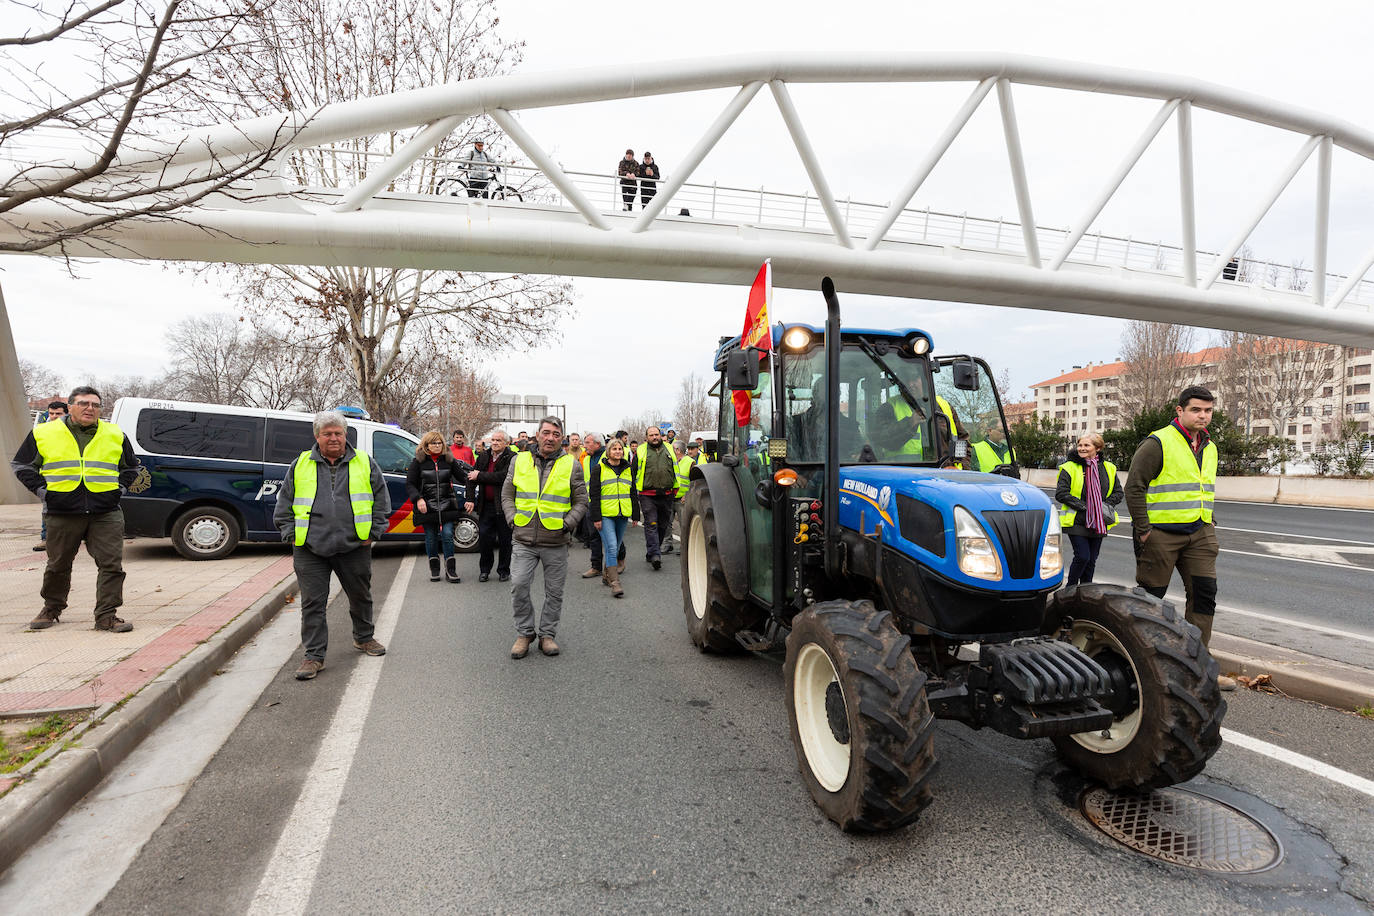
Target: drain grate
x,y
1184,828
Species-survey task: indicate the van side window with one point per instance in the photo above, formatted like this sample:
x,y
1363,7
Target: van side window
x,y
198,434
393,453
288,438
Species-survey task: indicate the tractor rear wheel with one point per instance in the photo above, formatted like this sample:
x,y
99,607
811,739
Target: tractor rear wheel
x,y
1168,706
714,616
860,721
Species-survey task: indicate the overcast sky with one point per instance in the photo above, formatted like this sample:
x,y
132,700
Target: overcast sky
x,y
111,320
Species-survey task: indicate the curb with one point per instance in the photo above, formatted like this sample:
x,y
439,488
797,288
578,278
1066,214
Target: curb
x,y
33,807
1318,681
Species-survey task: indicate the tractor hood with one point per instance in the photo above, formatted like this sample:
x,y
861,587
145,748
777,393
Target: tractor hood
x,y
911,510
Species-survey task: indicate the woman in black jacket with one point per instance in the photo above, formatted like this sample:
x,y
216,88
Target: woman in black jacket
x,y
1089,490
436,484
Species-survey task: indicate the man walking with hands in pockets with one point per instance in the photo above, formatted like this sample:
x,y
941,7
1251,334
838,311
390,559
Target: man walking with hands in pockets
x,y
544,497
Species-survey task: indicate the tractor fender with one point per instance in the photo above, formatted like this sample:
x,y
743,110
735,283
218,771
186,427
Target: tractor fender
x,y
731,532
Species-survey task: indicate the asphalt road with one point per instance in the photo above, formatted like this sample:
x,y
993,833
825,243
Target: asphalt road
x,y
633,774
1287,575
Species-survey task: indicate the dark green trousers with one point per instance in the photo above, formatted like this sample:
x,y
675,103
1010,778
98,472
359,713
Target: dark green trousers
x,y
104,538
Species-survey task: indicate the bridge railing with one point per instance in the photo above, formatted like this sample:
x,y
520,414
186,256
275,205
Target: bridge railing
x,y
340,167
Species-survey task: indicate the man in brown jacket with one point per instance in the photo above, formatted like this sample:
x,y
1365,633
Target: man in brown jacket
x,y
544,497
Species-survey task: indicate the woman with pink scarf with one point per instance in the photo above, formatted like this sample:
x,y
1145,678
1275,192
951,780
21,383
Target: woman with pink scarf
x,y
1088,490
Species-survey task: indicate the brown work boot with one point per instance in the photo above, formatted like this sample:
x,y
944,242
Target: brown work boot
x,y
547,645
521,647
112,624
616,590
309,668
44,620
591,573
606,575
370,646
620,569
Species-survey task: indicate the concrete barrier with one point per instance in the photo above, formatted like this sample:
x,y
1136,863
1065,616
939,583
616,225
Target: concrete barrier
x,y
1284,490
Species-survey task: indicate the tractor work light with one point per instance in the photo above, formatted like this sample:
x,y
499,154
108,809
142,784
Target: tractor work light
x,y
1052,560
796,339
977,555
919,345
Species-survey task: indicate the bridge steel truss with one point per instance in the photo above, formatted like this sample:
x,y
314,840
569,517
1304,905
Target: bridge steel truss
x,y
279,221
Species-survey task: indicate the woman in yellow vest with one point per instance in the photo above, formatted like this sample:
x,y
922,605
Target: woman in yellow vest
x,y
612,501
1089,490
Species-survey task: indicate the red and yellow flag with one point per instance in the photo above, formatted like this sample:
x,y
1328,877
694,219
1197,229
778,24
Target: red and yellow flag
x,y
755,333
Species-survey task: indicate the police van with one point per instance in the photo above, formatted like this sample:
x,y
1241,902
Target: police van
x,y
211,473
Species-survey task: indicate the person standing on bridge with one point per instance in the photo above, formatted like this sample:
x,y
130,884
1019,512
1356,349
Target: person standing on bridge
x,y
1170,494
481,169
79,468
493,532
332,505
1088,489
628,170
543,498
656,482
648,179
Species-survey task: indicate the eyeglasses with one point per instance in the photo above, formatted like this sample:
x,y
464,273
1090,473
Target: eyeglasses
x,y
94,405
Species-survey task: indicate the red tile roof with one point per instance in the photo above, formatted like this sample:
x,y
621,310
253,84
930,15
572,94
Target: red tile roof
x,y
1204,357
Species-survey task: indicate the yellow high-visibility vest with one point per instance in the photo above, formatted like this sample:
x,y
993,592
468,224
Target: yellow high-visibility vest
x,y
987,456
553,501
64,464
615,490
1067,516
1183,492
683,468
306,479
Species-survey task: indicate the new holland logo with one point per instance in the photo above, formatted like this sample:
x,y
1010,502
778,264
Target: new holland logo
x,y
1010,498
884,497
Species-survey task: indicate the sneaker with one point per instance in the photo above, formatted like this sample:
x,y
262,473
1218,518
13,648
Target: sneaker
x,y
521,647
308,669
44,620
1226,683
370,646
41,545
112,624
483,577
547,645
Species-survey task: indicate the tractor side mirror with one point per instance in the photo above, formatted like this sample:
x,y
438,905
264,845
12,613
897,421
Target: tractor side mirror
x,y
741,370
966,376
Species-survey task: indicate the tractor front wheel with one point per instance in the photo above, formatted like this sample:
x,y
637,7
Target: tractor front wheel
x,y
714,616
1167,707
860,721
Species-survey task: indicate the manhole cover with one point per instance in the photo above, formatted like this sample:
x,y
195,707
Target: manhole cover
x,y
1184,828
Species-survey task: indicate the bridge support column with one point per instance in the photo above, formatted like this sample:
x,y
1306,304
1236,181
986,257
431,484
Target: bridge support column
x,y
14,414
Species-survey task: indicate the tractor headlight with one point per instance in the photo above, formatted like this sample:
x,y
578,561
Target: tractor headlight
x,y
975,550
1052,560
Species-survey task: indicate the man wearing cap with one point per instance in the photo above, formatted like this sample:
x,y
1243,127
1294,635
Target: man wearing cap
x,y
628,170
648,179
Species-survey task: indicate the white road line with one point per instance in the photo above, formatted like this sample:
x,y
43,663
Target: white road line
x,y
1277,556
1289,622
1290,534
1301,761
290,877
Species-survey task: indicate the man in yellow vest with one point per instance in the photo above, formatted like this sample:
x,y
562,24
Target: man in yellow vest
x,y
544,497
79,468
1170,492
994,450
656,482
332,505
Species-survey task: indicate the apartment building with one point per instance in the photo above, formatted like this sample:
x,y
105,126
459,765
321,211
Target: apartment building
x,y
1087,398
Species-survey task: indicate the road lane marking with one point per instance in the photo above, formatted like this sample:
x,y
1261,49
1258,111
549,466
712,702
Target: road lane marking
x,y
1271,556
1290,534
290,876
1301,761
1287,621
1327,553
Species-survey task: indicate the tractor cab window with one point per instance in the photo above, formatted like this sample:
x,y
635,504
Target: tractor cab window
x,y
977,415
884,412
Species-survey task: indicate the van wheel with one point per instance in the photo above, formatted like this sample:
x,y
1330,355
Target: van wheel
x,y
205,533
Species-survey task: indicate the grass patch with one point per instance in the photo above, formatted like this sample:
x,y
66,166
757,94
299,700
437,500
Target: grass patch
x,y
1367,711
22,740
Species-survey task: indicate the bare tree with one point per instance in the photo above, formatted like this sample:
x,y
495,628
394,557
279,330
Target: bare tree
x,y
40,381
1156,358
307,53
1240,369
638,424
695,410
1291,373
127,386
127,62
214,357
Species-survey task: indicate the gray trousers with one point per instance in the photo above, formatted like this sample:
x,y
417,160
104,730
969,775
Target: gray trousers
x,y
354,570
104,538
524,559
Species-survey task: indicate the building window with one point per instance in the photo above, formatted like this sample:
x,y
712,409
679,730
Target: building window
x,y
1307,411
1328,391
1360,389
1261,430
1292,430
1307,446
1307,429
1362,370
1360,407
1326,410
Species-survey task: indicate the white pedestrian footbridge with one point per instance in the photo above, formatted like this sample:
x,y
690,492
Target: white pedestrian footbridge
x,y
323,198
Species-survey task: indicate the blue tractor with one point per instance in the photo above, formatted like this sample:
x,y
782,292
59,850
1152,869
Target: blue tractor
x,y
866,513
